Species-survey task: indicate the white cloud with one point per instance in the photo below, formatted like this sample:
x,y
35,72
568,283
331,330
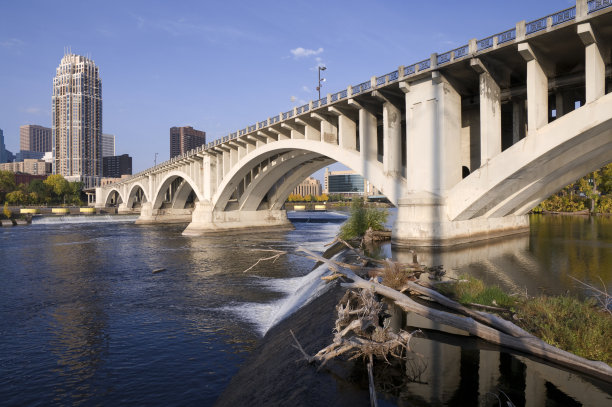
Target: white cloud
x,y
11,43
305,52
34,110
306,89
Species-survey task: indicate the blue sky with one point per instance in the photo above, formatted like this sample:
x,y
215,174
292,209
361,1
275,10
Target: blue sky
x,y
220,66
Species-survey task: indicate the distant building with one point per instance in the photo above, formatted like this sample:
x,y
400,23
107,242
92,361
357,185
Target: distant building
x,y
3,154
29,155
77,120
309,186
28,166
33,137
347,183
108,145
183,139
117,165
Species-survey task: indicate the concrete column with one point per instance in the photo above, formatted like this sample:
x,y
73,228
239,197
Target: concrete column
x,y
518,120
209,175
233,157
368,142
347,133
242,151
537,88
219,169
312,132
226,162
328,126
490,113
433,136
595,67
392,140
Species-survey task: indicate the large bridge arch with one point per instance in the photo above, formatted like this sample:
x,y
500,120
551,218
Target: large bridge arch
x,y
372,171
525,174
165,183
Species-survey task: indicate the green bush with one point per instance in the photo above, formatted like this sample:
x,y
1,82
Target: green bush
x,y
362,219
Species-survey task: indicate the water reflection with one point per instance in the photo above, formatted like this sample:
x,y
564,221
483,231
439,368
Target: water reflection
x,y
460,370
541,261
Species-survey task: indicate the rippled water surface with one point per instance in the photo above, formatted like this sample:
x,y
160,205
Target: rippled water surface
x,y
84,320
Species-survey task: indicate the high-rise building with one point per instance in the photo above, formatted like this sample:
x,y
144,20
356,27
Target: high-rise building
x,y
77,120
118,165
183,139
33,137
108,145
3,154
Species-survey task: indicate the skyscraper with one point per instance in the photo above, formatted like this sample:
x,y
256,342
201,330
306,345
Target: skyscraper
x,y
35,138
77,120
3,155
108,145
183,139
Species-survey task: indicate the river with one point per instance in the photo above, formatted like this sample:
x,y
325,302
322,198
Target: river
x,y
85,321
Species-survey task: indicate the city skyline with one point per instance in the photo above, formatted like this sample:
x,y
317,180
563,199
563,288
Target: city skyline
x,y
239,64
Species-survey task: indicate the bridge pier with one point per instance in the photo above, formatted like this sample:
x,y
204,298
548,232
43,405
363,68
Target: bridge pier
x,y
171,215
207,221
422,220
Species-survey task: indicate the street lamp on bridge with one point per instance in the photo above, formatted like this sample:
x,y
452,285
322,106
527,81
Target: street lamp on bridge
x,y
321,68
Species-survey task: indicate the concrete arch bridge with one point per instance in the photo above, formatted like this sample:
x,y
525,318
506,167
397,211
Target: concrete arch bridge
x,y
464,143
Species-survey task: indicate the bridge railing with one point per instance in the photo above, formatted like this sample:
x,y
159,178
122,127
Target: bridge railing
x,y
482,45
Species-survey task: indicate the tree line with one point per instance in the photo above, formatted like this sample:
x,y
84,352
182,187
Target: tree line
x,y
55,190
592,192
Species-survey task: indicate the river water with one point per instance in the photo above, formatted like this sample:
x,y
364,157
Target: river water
x,y
84,320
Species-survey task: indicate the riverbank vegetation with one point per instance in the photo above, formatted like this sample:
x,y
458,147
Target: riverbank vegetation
x,y
592,193
55,190
583,328
361,219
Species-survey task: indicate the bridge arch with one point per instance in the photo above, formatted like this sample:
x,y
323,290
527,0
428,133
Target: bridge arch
x,y
182,192
519,178
134,192
113,197
288,155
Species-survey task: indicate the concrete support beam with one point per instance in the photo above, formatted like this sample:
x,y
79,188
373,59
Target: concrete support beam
x,y
595,67
329,127
518,120
347,133
490,113
392,140
433,136
226,162
312,128
368,143
537,88
281,134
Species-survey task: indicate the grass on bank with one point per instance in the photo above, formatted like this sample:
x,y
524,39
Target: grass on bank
x,y
579,327
361,219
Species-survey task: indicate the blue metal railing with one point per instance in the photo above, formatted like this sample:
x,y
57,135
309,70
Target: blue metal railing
x,y
536,25
485,43
598,5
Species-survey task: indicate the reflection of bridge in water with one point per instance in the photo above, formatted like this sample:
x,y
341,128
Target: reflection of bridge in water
x,y
464,143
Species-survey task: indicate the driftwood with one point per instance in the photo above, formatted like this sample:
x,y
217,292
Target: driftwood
x,y
483,325
359,333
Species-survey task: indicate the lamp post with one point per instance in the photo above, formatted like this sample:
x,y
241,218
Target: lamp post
x,y
321,68
155,161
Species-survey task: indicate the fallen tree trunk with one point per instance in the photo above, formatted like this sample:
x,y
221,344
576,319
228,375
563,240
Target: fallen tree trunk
x,y
525,342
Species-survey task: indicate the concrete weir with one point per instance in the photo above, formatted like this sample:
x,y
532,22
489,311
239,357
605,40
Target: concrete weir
x,y
464,143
